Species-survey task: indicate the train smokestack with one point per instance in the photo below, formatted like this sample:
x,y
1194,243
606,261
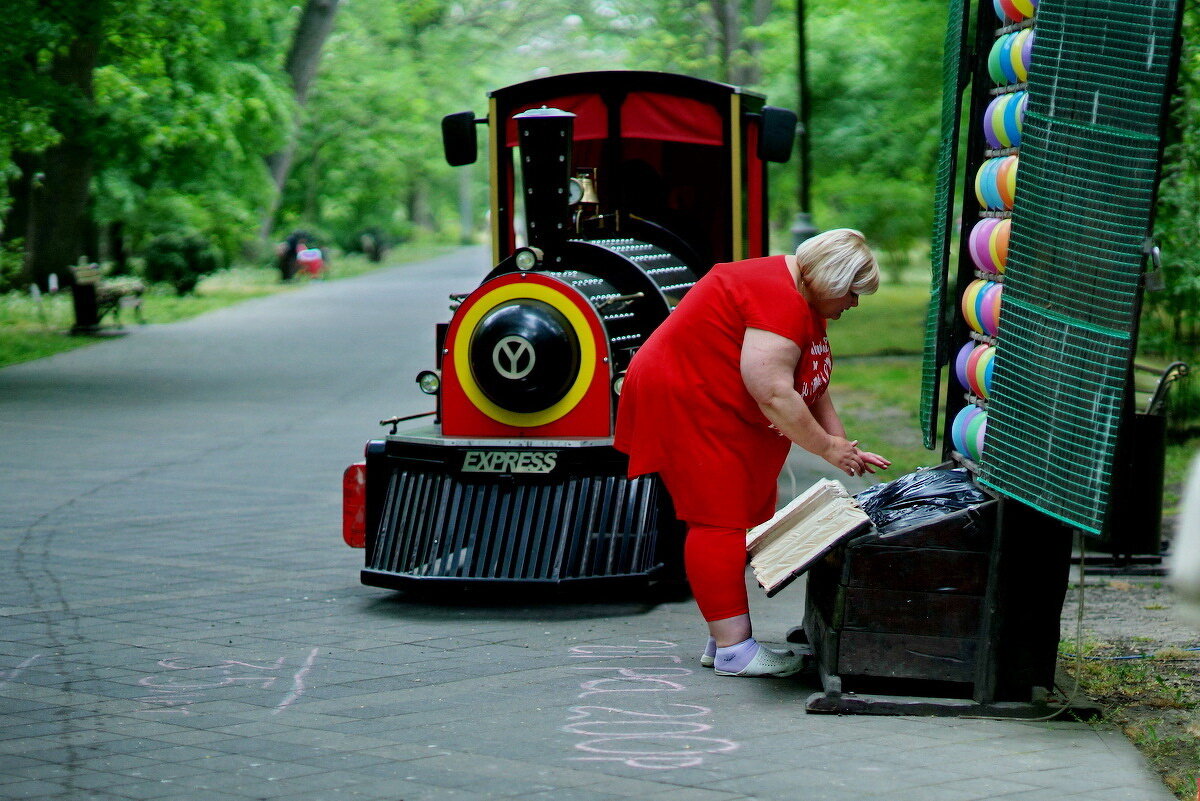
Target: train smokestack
x,y
544,135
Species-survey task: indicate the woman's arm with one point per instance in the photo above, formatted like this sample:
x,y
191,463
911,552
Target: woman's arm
x,y
769,372
825,414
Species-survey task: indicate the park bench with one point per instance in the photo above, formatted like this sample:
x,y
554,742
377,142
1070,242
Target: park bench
x,y
95,297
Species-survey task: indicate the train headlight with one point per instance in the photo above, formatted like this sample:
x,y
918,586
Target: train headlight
x,y
526,258
618,383
429,382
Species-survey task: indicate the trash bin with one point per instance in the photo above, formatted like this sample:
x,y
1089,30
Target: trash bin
x,y
952,606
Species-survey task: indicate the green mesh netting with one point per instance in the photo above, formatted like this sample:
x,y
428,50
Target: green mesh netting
x,y
943,199
1085,195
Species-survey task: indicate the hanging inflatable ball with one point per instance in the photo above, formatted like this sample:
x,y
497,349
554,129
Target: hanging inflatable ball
x,y
984,368
958,429
1006,180
973,369
974,434
970,301
979,306
1021,54
979,370
986,191
998,244
995,70
960,364
1014,118
993,122
1005,57
1013,10
988,309
979,244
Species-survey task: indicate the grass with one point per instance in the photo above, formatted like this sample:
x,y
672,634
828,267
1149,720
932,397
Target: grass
x,y
877,374
1153,700
877,384
31,329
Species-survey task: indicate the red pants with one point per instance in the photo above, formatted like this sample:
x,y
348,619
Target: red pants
x,y
715,560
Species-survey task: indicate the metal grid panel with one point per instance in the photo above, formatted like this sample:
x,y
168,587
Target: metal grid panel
x,y
1089,167
939,251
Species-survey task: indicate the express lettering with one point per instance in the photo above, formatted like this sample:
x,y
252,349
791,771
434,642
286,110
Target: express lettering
x,y
509,462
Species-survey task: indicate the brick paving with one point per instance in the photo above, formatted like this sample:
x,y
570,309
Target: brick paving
x,y
180,619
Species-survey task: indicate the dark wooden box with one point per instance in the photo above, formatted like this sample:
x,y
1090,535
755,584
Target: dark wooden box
x,y
965,606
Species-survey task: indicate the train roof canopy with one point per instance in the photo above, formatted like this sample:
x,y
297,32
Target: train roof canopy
x,y
653,105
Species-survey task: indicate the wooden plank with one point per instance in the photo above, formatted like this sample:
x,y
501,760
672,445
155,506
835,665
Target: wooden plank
x,y
905,656
919,570
966,530
823,638
920,613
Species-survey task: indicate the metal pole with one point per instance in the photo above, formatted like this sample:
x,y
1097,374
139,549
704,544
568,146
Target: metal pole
x,y
802,226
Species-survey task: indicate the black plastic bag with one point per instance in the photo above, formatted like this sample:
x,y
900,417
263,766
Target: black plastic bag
x,y
918,498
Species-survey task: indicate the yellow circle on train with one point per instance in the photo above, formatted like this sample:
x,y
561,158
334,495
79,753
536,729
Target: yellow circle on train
x,y
561,303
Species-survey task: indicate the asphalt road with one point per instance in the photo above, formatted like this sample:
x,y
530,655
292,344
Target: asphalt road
x,y
179,618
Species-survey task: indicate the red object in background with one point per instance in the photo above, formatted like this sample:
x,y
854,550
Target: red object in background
x,y
311,261
354,505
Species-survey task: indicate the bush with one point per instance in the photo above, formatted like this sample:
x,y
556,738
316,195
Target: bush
x,y
12,257
180,260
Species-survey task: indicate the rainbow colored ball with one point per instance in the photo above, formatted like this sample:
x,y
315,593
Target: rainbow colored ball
x,y
980,306
960,364
968,431
1010,56
978,370
987,244
998,244
1014,10
1004,119
996,183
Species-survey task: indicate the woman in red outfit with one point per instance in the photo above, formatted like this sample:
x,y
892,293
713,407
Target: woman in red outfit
x,y
715,397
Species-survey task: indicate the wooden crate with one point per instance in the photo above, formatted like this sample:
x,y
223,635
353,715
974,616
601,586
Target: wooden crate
x,y
964,607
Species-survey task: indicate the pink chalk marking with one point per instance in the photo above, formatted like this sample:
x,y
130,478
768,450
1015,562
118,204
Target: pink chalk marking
x,y
297,683
587,650
171,664
581,712
646,740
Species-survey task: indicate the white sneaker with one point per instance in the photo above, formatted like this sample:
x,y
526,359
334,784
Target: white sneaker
x,y
767,662
709,659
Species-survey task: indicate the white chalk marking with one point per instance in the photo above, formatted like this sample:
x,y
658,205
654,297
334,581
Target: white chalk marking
x,y
12,674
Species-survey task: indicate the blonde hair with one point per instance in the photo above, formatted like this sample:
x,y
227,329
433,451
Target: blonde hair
x,y
835,263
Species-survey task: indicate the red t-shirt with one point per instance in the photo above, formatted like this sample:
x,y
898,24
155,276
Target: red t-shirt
x,y
685,412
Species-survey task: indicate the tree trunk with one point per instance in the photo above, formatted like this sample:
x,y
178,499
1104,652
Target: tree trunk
x,y
59,203
316,23
20,190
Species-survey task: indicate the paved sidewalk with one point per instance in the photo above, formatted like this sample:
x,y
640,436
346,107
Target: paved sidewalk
x,y
179,618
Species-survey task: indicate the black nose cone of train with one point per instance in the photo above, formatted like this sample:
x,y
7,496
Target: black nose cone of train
x,y
524,355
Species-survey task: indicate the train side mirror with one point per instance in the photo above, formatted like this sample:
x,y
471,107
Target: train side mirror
x,y
458,138
778,134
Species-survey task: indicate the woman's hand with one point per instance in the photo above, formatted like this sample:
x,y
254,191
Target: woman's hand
x,y
844,455
872,460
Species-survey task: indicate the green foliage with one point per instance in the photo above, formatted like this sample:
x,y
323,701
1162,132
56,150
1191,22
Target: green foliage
x,y
1170,325
180,260
11,262
193,100
186,99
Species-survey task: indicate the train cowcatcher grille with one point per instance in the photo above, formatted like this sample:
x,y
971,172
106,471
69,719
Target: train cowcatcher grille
x,y
430,522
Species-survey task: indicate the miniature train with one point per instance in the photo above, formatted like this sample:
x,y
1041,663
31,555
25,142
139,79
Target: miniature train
x,y
634,184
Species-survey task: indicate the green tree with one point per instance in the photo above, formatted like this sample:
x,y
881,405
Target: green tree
x,y
158,115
